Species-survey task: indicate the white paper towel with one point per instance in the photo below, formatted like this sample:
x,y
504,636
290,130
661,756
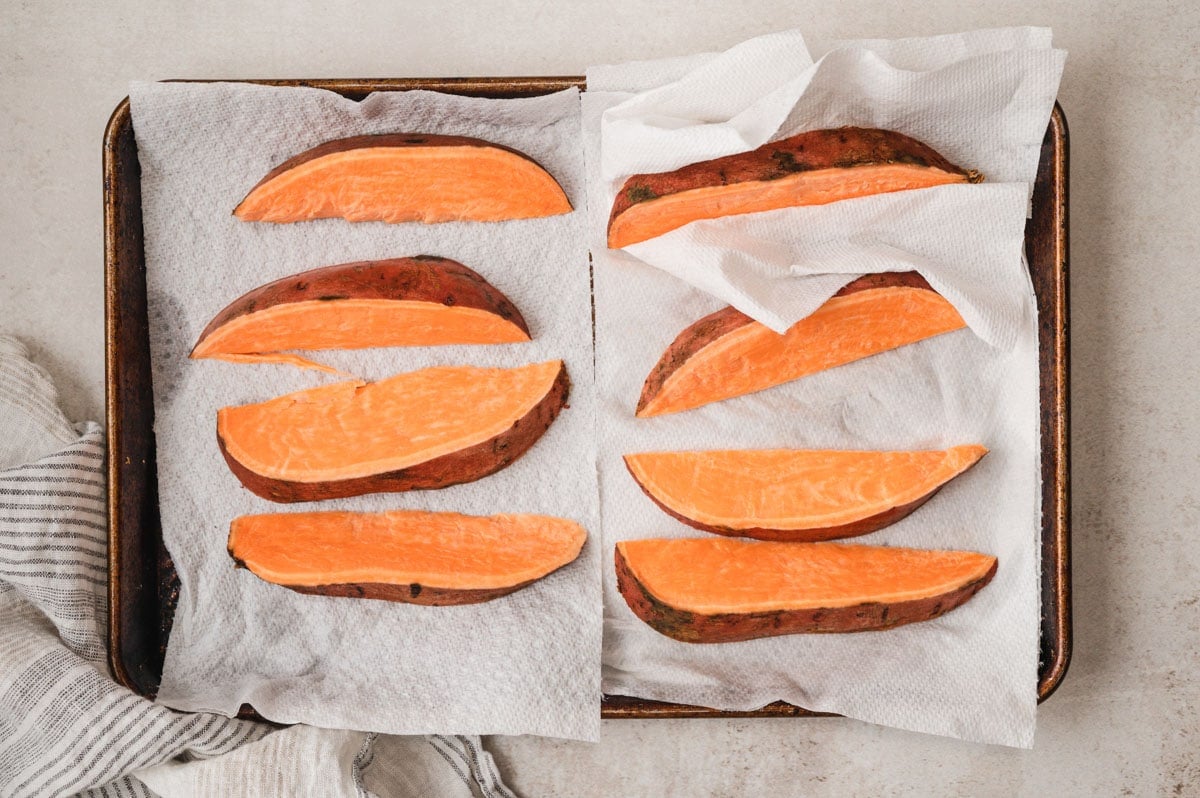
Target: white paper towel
x,y
973,672
981,99
524,664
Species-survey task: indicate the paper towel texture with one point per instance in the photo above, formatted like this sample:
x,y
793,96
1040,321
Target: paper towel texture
x,y
524,664
981,99
973,672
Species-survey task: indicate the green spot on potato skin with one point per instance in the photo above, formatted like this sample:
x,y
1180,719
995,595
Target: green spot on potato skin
x,y
641,194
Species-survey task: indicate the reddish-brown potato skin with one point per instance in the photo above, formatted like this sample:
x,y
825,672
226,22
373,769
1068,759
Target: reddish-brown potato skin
x,y
862,526
720,323
692,627
836,148
398,140
409,594
423,278
467,465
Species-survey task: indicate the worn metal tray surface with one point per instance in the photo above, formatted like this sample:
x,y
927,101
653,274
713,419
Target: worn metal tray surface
x,y
143,586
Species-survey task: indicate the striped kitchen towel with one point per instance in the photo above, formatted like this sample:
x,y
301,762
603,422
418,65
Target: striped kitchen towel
x,y
66,728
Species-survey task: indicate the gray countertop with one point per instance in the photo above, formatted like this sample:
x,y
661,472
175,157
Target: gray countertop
x,y
1126,720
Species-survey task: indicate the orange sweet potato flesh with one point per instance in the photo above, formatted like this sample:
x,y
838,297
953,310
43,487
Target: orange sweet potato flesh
x,y
728,354
411,556
418,430
813,168
796,494
405,178
719,590
420,301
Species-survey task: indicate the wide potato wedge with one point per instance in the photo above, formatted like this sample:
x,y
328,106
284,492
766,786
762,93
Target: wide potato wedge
x,y
410,556
405,177
796,494
423,429
420,301
728,354
812,168
718,590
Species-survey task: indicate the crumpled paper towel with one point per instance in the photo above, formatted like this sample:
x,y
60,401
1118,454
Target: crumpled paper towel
x,y
524,664
981,99
972,673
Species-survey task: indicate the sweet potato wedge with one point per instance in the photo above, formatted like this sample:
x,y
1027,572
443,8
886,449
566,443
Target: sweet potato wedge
x,y
412,556
728,354
795,494
718,590
813,168
423,429
405,178
421,301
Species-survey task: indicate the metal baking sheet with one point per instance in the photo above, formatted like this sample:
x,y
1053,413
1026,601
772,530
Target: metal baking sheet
x,y
143,586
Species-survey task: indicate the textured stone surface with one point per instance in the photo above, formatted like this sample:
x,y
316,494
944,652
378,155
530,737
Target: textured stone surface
x,y
1127,718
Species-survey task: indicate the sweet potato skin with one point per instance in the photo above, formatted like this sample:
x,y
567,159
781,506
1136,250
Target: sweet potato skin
x,y
692,627
391,140
466,465
715,325
835,148
410,594
423,278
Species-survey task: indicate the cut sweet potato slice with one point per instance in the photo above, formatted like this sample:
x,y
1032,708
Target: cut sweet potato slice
x,y
412,556
423,429
718,590
421,301
405,178
795,494
813,168
727,354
